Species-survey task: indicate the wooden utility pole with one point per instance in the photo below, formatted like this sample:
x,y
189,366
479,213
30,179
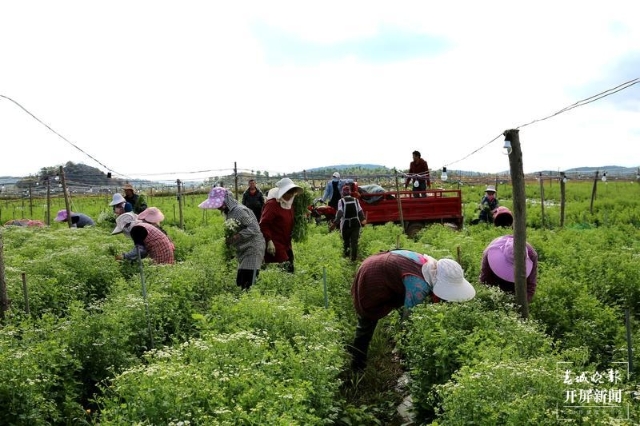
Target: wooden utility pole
x,y
519,220
66,196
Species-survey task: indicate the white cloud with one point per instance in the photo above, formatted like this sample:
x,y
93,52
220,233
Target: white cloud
x,y
160,87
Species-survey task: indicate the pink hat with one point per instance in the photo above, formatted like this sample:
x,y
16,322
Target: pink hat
x,y
62,216
502,216
215,200
500,257
151,215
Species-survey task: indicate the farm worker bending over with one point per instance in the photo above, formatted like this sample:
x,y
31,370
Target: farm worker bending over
x,y
246,237
333,190
148,240
120,205
350,218
138,201
498,269
78,220
276,223
152,216
400,278
503,217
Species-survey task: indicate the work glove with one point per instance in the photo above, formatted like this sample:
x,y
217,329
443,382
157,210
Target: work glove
x,y
271,248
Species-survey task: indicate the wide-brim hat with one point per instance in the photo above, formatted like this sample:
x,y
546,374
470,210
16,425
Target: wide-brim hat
x,y
61,216
272,193
490,188
447,280
502,216
122,221
284,185
216,198
501,259
128,186
117,199
152,215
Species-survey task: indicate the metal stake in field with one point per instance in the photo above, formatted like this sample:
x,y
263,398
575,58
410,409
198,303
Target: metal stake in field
x,y
144,297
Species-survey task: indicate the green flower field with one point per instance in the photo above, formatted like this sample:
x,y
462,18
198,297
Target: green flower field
x,y
91,340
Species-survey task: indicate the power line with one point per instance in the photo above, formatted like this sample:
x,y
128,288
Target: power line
x,y
577,104
61,137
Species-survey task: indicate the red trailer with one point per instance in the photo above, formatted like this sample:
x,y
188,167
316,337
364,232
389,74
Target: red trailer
x,y
432,206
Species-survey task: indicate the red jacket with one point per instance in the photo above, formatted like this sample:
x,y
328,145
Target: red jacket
x,y
419,167
276,225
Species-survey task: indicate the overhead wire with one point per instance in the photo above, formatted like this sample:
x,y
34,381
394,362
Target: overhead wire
x,y
577,104
60,136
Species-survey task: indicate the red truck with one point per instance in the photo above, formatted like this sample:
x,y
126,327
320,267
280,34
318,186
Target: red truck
x,y
433,206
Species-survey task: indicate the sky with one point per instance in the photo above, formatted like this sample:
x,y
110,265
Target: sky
x,y
189,90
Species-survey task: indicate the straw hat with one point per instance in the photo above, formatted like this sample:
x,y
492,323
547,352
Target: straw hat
x,y
501,259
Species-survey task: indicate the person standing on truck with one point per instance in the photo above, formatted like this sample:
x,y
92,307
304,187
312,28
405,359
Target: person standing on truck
x,y
419,174
350,218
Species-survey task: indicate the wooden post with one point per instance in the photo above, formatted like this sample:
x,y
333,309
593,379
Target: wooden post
x,y
66,196
562,198
4,298
399,202
519,220
25,293
593,191
541,197
48,221
30,203
179,196
235,176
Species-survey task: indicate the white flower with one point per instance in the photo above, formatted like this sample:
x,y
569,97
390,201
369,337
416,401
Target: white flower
x,y
231,227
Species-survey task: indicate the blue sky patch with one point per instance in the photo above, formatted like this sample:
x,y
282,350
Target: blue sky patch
x,y
388,45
